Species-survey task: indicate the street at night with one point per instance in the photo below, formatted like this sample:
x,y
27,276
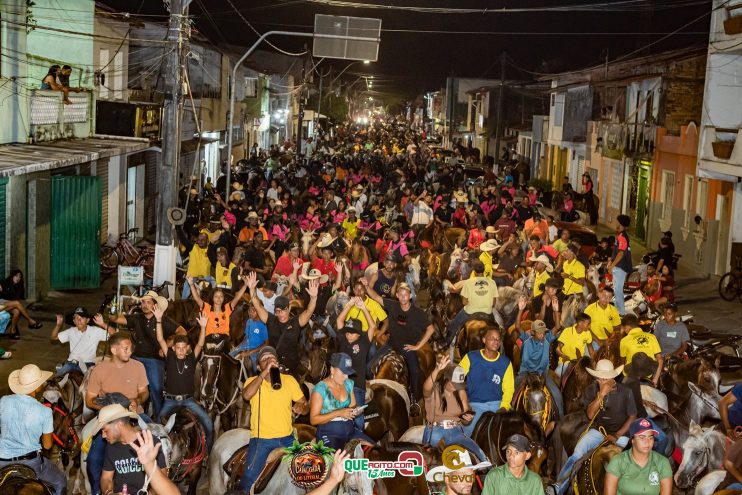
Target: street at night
x,y
374,247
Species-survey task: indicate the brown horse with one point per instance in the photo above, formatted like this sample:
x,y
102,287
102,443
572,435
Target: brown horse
x,y
392,366
189,450
388,412
611,350
701,371
493,430
19,479
574,383
588,474
533,399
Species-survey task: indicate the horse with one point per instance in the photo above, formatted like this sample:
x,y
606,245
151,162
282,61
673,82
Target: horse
x,y
574,383
573,306
221,380
534,399
19,479
702,371
403,485
610,350
703,451
588,474
307,238
389,410
188,440
493,429
699,405
708,484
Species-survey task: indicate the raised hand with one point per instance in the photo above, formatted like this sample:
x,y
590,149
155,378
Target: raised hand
x,y
337,472
97,319
252,280
522,302
60,320
145,447
313,288
202,320
158,312
445,361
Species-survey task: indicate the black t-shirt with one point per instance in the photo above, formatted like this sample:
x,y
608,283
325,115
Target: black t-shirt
x,y
358,352
288,350
618,405
122,460
444,214
254,256
180,374
549,313
405,327
144,332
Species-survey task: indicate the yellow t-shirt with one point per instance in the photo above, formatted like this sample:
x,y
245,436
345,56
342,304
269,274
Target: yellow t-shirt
x,y
560,245
374,309
351,228
637,340
213,236
198,263
480,293
603,321
540,280
486,259
574,342
274,407
574,269
224,275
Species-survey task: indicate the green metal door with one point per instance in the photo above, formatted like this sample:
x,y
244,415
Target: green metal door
x,y
75,230
3,225
642,201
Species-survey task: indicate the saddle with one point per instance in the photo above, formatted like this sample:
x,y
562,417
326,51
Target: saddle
x,y
235,467
14,477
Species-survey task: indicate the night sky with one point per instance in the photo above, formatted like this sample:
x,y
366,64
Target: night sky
x,y
416,61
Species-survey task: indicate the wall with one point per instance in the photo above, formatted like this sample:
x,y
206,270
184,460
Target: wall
x,y
111,58
578,109
13,102
47,47
683,94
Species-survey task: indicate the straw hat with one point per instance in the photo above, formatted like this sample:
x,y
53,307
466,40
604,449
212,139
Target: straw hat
x,y
542,258
237,186
106,415
488,246
604,369
357,191
27,379
315,274
160,301
251,215
490,229
325,241
460,197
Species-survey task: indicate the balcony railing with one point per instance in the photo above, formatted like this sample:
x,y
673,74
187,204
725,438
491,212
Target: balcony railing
x,y
52,119
722,145
631,140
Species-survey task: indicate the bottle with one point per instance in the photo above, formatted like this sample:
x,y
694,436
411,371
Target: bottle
x,y
124,489
275,375
114,304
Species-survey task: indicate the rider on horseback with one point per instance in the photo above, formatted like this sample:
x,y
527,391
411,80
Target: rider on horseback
x,y
83,340
479,294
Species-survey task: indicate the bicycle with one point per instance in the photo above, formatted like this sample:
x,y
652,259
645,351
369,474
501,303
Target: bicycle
x,y
730,284
124,252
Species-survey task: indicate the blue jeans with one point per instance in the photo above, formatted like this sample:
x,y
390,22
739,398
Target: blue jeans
x,y
187,287
550,385
155,369
69,366
480,408
588,442
360,396
171,405
243,348
96,454
455,325
735,486
336,434
452,436
619,279
46,471
257,454
413,366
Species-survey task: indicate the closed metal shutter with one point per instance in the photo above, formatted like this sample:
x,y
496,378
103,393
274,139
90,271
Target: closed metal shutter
x,y
151,159
101,170
3,225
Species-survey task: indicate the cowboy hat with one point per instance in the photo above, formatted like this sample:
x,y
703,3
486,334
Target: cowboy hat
x,y
194,190
488,246
641,366
160,301
315,274
237,196
462,460
460,197
27,379
325,241
107,414
176,216
237,186
490,229
252,214
543,259
604,369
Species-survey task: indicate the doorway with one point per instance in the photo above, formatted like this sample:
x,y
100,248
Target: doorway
x,y
135,200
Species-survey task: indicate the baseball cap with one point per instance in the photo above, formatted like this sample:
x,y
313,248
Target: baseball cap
x,y
538,326
353,326
343,362
267,350
81,311
282,302
456,375
519,442
642,425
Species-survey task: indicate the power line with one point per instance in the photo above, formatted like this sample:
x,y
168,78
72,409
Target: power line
x,y
261,34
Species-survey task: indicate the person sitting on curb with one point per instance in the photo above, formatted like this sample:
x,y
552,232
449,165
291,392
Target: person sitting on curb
x,y
83,339
514,476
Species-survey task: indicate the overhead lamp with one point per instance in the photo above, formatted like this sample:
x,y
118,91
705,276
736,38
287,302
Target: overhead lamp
x,y
366,62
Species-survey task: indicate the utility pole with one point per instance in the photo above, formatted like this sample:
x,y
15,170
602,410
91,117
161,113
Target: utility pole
x,y
300,137
167,172
500,99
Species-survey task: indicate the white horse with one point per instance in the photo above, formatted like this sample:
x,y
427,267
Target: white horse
x,y
703,451
224,447
307,238
709,483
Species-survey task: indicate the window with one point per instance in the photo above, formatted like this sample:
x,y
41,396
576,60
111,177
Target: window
x,y
251,87
702,196
559,110
687,199
667,193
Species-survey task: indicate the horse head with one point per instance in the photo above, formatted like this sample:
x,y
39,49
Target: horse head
x,y
307,237
454,266
702,404
414,269
703,450
162,432
209,386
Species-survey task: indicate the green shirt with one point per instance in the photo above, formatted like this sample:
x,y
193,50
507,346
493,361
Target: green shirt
x,y
500,481
636,480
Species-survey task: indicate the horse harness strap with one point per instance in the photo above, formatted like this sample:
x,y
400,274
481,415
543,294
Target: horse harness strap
x,y
191,462
68,418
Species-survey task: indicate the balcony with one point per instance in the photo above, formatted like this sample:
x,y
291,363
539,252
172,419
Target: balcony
x,y
630,140
726,26
721,150
51,119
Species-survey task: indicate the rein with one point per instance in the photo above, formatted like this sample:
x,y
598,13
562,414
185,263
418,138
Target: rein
x,y
545,411
192,462
66,425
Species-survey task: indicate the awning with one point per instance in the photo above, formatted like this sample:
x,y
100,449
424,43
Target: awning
x,y
190,145
20,159
710,174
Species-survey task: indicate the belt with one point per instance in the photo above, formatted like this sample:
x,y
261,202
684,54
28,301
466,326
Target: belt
x,y
177,397
446,424
25,457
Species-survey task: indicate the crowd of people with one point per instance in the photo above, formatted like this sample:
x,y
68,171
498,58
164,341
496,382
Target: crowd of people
x,y
350,217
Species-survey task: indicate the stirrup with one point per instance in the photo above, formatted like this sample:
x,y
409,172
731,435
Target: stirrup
x,y
415,409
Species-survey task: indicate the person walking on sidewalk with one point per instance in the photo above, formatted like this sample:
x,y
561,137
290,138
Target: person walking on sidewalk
x,y
620,266
27,426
